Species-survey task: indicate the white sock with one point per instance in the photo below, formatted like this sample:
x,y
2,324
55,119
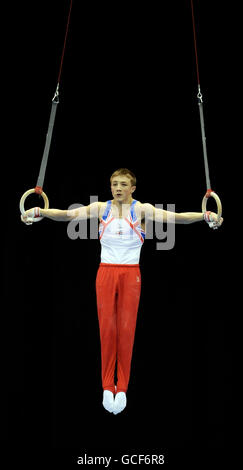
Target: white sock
x,y
120,402
108,400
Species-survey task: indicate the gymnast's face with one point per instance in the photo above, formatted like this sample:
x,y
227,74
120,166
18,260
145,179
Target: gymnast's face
x,y
122,189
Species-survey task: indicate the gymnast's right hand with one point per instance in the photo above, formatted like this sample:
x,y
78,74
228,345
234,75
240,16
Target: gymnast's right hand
x,y
28,216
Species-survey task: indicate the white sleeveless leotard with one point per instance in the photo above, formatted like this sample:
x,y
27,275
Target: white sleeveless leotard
x,y
121,239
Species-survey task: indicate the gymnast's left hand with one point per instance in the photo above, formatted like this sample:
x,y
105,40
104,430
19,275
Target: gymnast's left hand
x,y
213,220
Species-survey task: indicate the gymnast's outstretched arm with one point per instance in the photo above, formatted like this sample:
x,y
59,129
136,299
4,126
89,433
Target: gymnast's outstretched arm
x,y
159,215
80,213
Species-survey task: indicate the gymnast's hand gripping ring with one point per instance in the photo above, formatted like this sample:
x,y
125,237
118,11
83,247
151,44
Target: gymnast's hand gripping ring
x,y
26,194
209,194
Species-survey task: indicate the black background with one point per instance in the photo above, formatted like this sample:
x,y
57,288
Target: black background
x,y
127,99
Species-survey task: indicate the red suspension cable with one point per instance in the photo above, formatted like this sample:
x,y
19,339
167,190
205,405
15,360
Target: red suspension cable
x,y
195,42
65,40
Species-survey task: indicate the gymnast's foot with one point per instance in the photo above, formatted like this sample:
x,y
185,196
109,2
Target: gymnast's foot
x,y
108,400
119,402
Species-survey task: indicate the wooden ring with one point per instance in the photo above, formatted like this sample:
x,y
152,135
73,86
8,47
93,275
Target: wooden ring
x,y
25,195
218,202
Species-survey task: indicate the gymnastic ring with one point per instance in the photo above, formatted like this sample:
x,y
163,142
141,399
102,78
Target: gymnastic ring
x,y
209,194
26,194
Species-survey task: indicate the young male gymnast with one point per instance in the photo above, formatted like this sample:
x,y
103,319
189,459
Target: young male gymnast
x,y
118,281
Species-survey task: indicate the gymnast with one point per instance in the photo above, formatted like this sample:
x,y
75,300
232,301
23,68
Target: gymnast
x,y
118,282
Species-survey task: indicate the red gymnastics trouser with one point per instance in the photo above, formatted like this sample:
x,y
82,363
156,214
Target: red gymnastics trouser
x,y
118,288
